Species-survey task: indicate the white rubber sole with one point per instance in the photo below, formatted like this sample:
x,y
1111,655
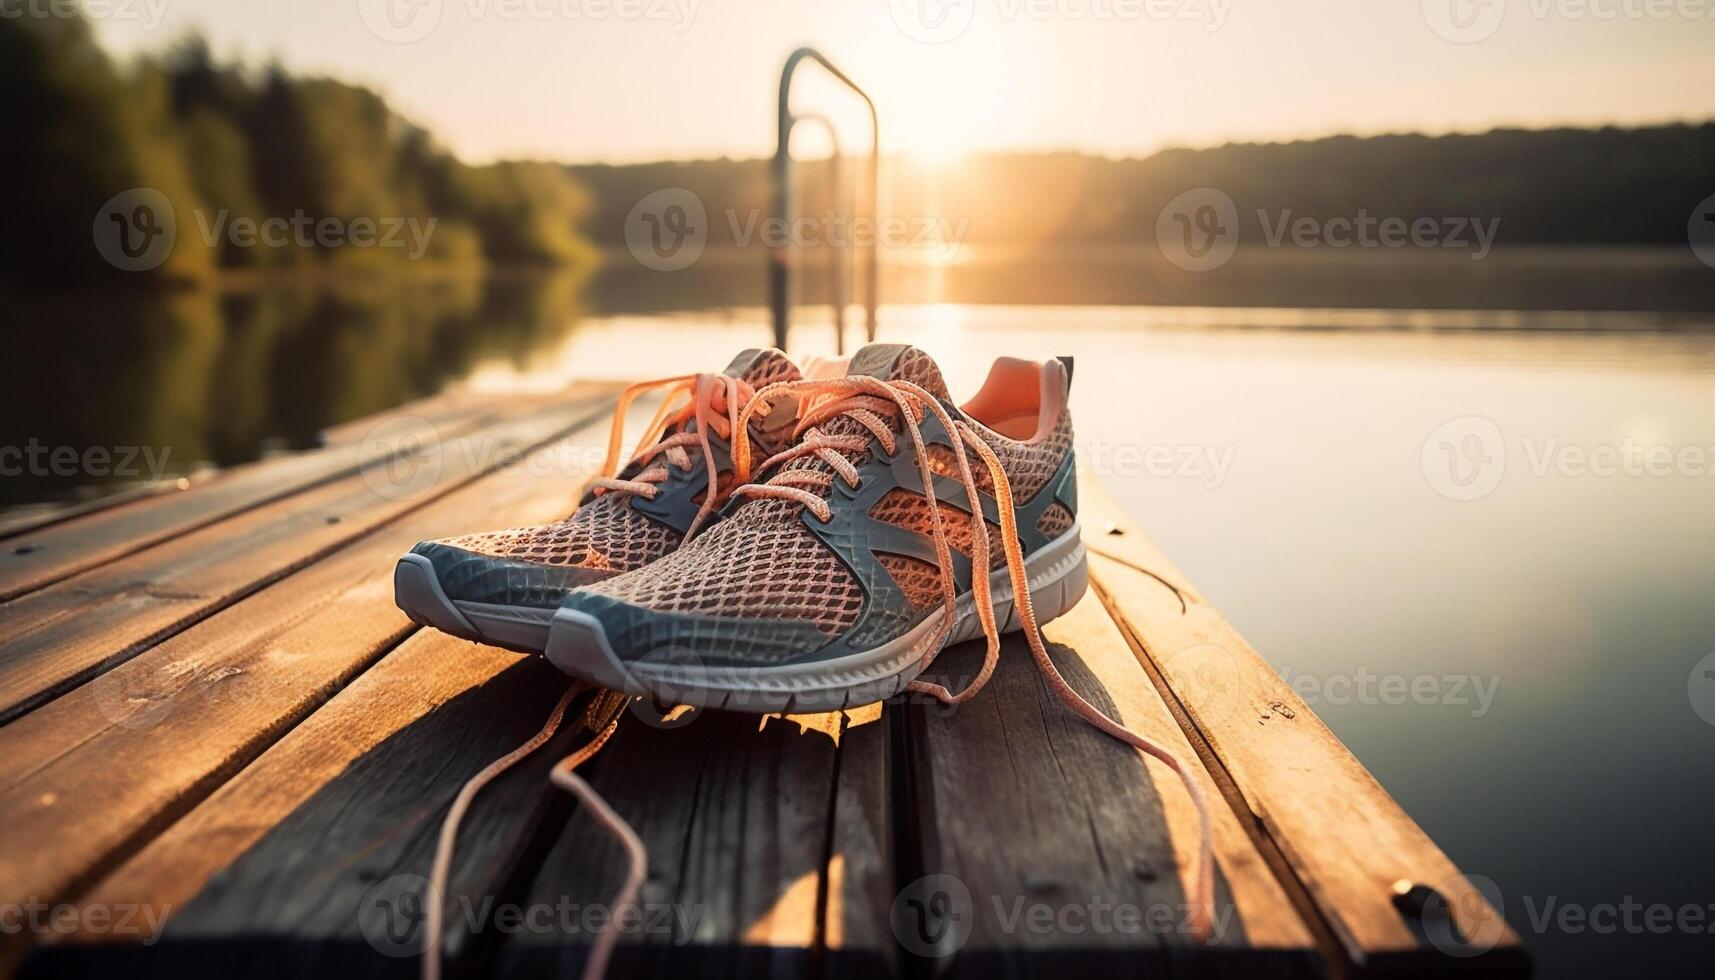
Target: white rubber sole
x,y
418,594
578,645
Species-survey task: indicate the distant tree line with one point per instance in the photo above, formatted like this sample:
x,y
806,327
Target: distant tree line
x,y
227,144
1607,186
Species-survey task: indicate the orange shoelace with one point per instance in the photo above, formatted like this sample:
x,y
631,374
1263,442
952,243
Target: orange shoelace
x,y
714,403
869,401
637,859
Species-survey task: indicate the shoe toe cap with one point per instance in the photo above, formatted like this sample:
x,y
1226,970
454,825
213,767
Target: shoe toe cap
x,y
468,576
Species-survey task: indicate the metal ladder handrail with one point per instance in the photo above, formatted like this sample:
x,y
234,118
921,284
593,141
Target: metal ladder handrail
x,y
838,199
779,272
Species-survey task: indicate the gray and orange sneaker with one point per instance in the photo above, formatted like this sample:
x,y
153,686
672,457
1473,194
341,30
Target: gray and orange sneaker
x,y
830,582
502,587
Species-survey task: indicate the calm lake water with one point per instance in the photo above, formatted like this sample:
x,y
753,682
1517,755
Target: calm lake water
x,y
1507,514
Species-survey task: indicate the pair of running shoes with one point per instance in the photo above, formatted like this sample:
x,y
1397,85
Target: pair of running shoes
x,y
788,540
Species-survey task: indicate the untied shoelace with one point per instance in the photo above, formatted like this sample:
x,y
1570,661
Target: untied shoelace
x,y
869,401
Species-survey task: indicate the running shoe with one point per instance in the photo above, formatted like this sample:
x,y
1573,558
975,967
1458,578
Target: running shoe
x,y
836,577
502,587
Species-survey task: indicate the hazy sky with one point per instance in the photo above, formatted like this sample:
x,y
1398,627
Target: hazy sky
x,y
645,79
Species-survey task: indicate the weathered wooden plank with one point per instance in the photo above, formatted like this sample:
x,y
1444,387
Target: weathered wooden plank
x,y
1056,845
734,811
291,868
58,637
30,517
91,776
47,554
1338,841
442,409
857,940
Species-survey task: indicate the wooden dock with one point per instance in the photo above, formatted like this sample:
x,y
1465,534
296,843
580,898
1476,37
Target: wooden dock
x,y
212,716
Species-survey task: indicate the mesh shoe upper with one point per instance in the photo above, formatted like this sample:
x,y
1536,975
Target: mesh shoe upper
x,y
536,566
863,578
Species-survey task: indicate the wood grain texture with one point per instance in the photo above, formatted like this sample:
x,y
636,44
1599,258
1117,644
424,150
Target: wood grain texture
x,y
93,775
290,868
734,810
25,518
1062,847
62,635
442,409
1338,841
48,552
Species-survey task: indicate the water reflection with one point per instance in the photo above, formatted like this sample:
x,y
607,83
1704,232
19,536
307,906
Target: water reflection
x,y
223,375
217,377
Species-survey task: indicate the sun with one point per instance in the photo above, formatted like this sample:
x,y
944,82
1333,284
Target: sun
x,y
936,103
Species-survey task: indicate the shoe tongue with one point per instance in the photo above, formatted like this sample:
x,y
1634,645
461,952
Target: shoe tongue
x,y
889,362
762,366
899,362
